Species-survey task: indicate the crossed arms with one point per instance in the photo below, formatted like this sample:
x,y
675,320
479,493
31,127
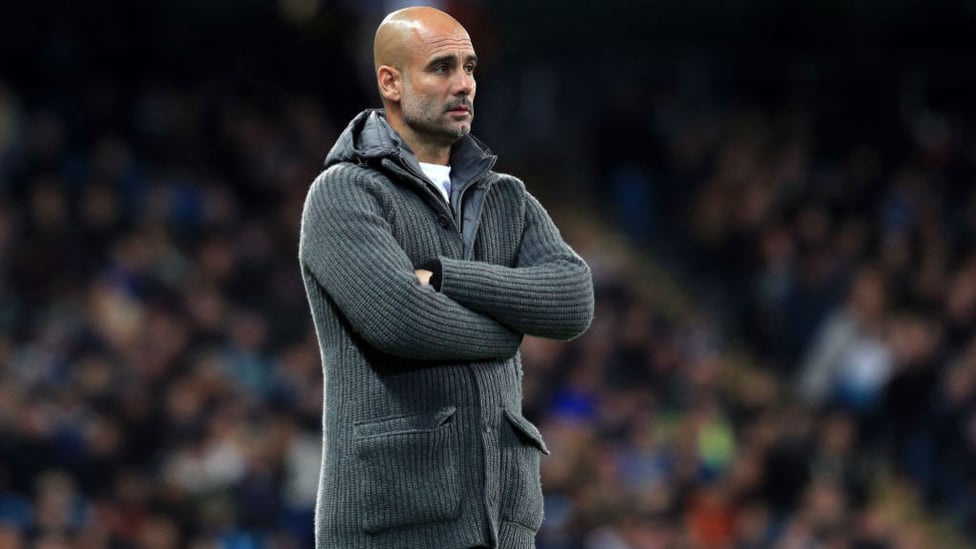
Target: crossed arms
x,y
481,311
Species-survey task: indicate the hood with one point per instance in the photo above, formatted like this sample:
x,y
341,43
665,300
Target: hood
x,y
369,137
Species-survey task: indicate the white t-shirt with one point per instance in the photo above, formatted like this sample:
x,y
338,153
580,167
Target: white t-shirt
x,y
441,176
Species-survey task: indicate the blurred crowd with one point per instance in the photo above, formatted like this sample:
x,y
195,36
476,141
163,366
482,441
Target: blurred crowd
x,y
160,383
826,369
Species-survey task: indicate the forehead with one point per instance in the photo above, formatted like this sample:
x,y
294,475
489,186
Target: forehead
x,y
429,43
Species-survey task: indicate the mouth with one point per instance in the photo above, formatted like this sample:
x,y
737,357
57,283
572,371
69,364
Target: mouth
x,y
459,110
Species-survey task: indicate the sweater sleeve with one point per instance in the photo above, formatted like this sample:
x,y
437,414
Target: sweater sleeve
x,y
348,246
548,293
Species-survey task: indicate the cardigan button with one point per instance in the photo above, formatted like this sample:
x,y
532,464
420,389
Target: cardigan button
x,y
443,221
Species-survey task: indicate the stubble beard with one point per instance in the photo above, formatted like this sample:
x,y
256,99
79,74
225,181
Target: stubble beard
x,y
431,120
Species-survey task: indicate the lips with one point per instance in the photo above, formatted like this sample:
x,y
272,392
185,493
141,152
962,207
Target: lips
x,y
460,108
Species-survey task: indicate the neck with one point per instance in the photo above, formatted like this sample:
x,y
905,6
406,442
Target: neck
x,y
425,151
431,154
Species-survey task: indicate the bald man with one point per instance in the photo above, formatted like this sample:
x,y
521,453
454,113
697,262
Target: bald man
x,y
424,268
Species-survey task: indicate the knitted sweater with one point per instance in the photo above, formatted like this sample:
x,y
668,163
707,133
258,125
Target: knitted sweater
x,y
424,443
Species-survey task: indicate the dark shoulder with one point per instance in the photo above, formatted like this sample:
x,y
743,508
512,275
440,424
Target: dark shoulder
x,y
344,177
344,172
506,183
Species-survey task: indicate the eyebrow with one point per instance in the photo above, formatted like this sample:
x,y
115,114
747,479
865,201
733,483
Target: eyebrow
x,y
448,58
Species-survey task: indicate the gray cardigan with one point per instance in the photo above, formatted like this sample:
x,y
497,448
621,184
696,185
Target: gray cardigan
x,y
424,443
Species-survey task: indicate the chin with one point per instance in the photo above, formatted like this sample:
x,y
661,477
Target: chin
x,y
457,132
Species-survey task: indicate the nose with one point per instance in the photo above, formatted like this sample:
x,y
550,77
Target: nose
x,y
464,84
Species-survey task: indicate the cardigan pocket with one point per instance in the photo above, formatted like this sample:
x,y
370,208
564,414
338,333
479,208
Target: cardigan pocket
x,y
521,450
409,466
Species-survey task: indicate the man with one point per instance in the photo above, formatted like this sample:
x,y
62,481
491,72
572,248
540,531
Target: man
x,y
424,268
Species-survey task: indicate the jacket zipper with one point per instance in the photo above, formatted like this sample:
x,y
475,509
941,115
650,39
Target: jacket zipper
x,y
430,191
456,212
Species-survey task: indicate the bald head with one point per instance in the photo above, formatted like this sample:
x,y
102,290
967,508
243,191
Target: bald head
x,y
425,66
408,30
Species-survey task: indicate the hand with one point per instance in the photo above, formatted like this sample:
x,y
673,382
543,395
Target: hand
x,y
423,275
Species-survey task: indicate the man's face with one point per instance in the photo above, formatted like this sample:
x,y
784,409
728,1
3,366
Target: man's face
x,y
439,87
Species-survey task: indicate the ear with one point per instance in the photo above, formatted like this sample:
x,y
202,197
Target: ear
x,y
389,80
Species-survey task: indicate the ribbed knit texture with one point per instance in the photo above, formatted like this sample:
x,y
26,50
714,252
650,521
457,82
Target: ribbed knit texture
x,y
424,444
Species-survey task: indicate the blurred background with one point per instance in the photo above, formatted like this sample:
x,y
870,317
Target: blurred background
x,y
777,198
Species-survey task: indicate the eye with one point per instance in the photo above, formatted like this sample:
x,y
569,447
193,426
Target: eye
x,y
441,69
469,68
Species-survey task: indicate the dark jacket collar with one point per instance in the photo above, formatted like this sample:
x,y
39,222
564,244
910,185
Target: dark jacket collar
x,y
369,138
